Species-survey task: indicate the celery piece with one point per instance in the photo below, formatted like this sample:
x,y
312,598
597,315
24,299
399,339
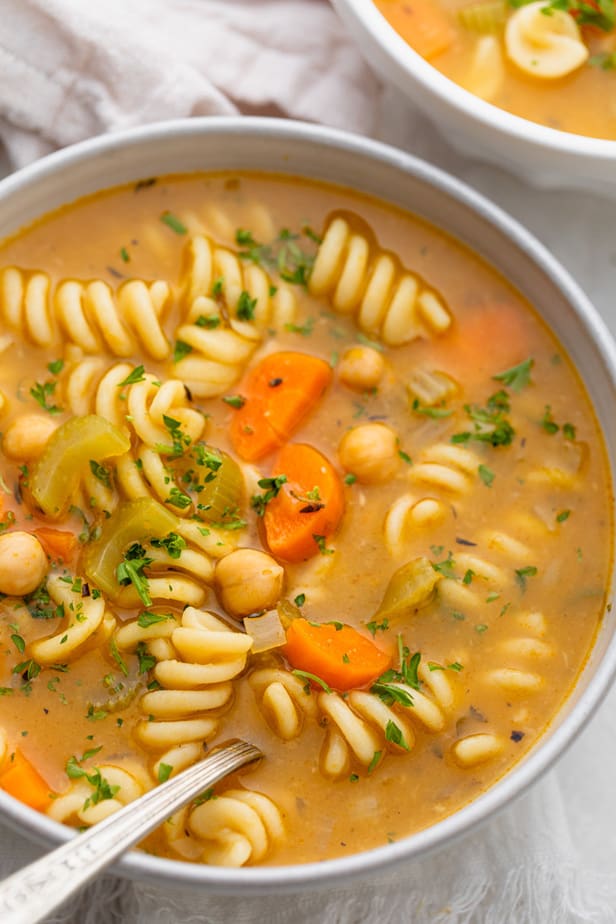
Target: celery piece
x,y
220,490
134,521
485,17
409,588
67,456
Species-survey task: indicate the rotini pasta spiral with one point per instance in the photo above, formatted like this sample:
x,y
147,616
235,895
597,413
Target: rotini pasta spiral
x,y
203,656
98,793
233,829
82,616
88,314
215,276
387,302
284,700
227,306
447,468
361,725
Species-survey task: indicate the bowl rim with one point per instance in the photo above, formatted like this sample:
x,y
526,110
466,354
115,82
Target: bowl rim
x,y
490,116
293,878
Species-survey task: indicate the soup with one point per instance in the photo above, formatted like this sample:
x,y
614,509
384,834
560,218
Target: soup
x,y
548,62
283,463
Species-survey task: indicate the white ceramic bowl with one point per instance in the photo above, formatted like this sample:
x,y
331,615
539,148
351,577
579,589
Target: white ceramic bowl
x,y
270,145
538,154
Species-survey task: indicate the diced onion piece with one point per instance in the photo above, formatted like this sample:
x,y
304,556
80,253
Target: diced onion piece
x,y
266,631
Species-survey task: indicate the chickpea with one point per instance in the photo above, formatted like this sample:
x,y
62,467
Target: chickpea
x,y
361,368
23,563
27,436
370,452
248,581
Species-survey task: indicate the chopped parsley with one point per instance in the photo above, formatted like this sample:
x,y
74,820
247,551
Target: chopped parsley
x,y
562,516
236,401
518,377
130,571
394,734
446,567
180,350
486,475
209,321
375,761
164,772
489,423
101,788
56,366
435,412
173,222
308,677
271,487
41,392
101,473
321,544
521,575
373,627
299,600
173,544
147,619
246,305
137,375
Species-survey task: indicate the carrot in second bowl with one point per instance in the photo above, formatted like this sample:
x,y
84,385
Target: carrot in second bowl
x,y
278,393
309,506
335,653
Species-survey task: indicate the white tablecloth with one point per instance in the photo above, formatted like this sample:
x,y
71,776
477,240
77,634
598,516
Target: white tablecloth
x,y
550,858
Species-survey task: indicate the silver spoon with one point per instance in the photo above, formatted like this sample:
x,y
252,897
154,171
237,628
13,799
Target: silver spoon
x,y
32,893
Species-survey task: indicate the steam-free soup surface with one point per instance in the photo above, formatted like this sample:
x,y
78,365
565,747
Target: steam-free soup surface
x,y
372,439
547,62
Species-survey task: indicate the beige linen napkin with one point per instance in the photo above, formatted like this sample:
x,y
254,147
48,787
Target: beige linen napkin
x,y
70,69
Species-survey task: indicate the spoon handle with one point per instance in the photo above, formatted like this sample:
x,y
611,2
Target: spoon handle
x,y
32,893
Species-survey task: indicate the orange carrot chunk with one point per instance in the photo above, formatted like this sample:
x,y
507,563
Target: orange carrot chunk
x,y
278,394
422,23
308,507
59,544
335,653
23,782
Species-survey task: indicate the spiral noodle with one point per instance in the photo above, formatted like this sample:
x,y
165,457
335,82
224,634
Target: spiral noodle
x,y
82,617
139,407
408,514
388,302
234,829
284,700
78,804
220,342
523,653
87,314
201,656
359,723
446,468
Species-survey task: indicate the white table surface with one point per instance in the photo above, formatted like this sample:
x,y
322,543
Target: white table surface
x,y
579,229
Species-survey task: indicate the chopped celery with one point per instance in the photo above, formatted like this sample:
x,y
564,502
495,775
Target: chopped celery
x,y
220,490
485,17
409,588
133,522
67,456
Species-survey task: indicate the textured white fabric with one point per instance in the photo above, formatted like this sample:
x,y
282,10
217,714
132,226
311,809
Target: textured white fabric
x,y
70,69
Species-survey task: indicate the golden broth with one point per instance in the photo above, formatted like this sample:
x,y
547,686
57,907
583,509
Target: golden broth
x,y
519,538
582,101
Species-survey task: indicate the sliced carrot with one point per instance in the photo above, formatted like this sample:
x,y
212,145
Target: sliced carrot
x,y
488,340
278,393
337,654
308,507
23,782
421,23
59,544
